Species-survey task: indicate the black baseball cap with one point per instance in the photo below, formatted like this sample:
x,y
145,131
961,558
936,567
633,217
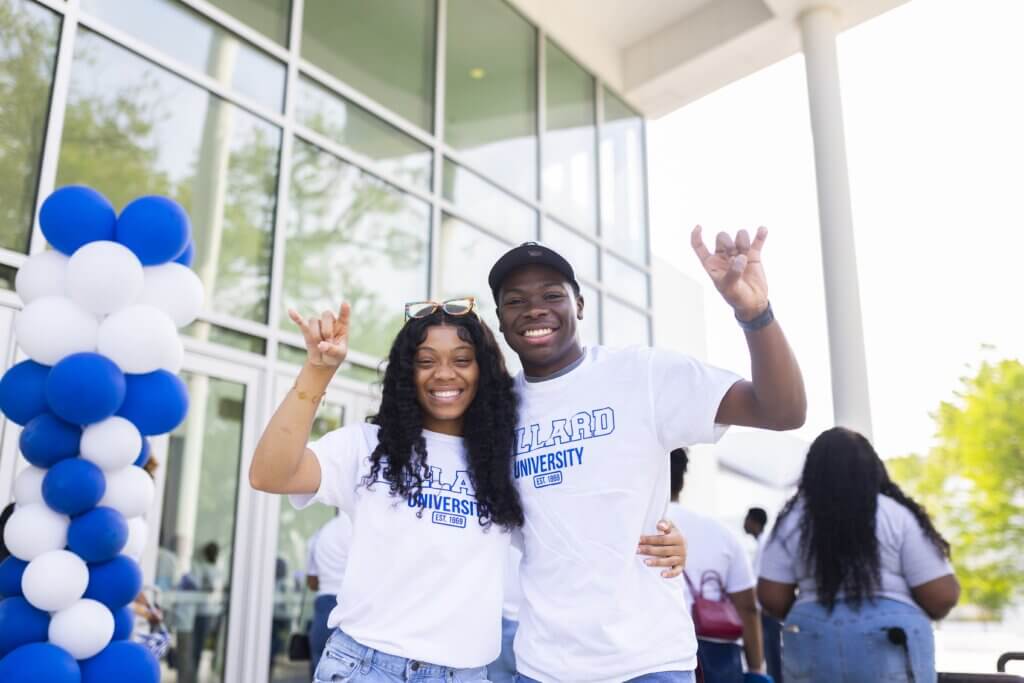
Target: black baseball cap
x,y
529,254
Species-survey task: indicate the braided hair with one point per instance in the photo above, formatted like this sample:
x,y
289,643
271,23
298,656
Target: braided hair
x,y
400,457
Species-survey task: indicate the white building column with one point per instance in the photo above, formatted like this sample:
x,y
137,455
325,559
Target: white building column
x,y
850,398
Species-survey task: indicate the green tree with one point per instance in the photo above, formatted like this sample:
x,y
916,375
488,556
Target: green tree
x,y
972,481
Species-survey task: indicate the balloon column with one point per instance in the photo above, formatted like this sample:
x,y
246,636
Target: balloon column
x,y
99,327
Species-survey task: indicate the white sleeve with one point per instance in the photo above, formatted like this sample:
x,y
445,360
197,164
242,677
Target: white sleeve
x,y
741,576
777,562
340,454
311,568
685,395
921,560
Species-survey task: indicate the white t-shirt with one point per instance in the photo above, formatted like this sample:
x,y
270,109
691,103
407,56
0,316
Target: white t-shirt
x,y
329,554
425,587
906,557
513,593
710,546
592,468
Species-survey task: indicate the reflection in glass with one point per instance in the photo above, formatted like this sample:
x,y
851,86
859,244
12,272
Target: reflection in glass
x,y
358,130
353,237
623,216
269,17
629,282
296,356
200,329
292,598
590,326
194,40
383,48
624,325
581,253
467,255
491,91
197,528
570,140
7,276
132,128
28,53
488,205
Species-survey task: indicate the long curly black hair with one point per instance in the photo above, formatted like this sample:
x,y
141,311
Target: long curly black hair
x,y
400,457
839,488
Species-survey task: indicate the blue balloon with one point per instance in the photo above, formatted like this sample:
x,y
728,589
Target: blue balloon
x,y
114,583
11,570
155,228
40,663
144,454
98,535
122,660
84,388
73,486
23,391
76,215
155,403
124,623
47,439
187,256
21,624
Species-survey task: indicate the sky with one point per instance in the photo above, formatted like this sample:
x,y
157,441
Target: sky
x,y
933,99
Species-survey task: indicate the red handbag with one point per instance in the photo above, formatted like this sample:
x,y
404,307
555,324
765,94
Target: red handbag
x,y
716,619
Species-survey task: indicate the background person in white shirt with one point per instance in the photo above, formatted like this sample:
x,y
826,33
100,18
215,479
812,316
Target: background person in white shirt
x,y
595,429
711,547
328,555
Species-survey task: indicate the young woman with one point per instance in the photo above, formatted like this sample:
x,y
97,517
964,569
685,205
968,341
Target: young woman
x,y
428,486
870,567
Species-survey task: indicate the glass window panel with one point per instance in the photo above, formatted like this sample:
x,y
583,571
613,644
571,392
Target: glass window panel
x,y
570,140
269,17
7,276
491,91
132,128
292,597
353,237
195,41
488,205
623,209
624,325
590,326
204,331
581,253
467,255
351,126
197,528
296,356
384,48
625,280
28,53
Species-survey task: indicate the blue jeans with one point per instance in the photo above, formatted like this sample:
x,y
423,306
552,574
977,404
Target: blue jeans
x,y
720,662
503,669
853,646
772,630
318,631
346,661
658,677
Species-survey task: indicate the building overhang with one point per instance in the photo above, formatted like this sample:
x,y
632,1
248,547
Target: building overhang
x,y
662,54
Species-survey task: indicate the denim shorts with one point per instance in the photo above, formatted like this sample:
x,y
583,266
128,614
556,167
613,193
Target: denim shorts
x,y
657,677
344,661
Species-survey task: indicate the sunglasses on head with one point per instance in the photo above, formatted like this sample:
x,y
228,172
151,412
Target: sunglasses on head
x,y
421,309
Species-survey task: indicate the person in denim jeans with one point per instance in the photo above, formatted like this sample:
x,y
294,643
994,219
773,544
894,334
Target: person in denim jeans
x,y
865,566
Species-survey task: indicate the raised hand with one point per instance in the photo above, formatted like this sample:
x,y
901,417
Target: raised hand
x,y
736,269
326,337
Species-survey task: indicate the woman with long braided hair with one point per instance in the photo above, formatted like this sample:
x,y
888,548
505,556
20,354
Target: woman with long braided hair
x,y
865,566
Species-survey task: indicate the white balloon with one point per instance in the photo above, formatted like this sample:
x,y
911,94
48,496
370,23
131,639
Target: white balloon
x,y
111,444
28,486
35,529
52,327
55,580
138,532
140,338
104,276
130,491
83,629
43,274
174,289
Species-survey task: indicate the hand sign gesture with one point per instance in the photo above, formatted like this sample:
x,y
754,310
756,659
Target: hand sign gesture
x,y
736,270
326,337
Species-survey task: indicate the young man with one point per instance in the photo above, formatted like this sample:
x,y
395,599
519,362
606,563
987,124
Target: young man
x,y
592,465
